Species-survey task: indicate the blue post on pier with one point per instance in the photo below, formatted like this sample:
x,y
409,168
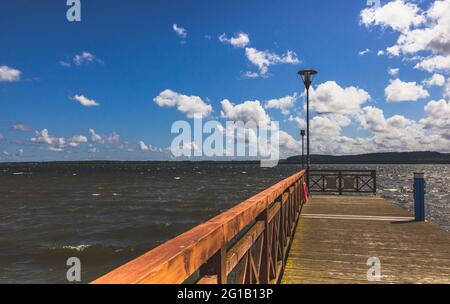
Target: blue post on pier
x,y
419,197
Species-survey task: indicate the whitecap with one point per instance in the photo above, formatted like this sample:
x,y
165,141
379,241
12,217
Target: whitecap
x,y
95,194
77,248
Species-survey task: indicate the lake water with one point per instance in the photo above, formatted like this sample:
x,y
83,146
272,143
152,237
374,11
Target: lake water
x,y
108,214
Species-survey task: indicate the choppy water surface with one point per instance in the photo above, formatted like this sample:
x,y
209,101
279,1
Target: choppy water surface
x,y
109,214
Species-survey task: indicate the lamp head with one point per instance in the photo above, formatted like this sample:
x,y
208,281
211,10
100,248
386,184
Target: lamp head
x,y
307,76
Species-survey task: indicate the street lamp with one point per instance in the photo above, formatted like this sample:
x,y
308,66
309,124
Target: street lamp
x,y
302,133
308,77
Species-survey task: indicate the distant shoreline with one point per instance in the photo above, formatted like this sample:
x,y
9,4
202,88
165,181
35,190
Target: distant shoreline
x,y
389,158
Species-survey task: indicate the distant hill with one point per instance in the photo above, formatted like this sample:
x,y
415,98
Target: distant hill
x,y
378,158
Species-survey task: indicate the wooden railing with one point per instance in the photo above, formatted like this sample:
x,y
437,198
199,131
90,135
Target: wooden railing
x,y
343,181
249,243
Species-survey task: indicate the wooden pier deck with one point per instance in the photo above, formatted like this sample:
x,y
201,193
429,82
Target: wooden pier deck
x,y
336,235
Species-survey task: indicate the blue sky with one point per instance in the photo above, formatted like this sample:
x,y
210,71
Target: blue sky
x,y
128,53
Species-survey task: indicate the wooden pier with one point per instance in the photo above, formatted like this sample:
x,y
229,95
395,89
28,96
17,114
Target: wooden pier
x,y
336,236
279,236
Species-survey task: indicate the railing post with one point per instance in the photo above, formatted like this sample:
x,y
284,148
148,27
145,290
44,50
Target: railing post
x,y
216,266
419,197
264,271
374,177
340,182
282,231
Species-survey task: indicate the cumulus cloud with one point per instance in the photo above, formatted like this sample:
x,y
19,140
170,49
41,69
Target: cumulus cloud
x,y
264,59
56,144
373,119
284,104
21,127
182,32
398,91
248,111
325,126
434,63
8,74
76,140
111,139
95,138
447,89
397,14
145,147
419,31
84,101
190,105
240,40
329,97
435,80
437,115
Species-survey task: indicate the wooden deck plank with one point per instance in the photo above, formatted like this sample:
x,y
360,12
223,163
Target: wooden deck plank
x,y
336,235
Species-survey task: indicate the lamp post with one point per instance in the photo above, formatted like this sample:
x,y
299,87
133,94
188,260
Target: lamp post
x,y
308,77
302,133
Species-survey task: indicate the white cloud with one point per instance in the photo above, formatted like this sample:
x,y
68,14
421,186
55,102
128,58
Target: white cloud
x,y
182,32
288,144
144,147
437,116
21,127
8,74
435,80
264,59
43,137
111,139
372,119
299,121
80,59
447,89
380,53
398,91
393,71
249,74
240,40
94,136
419,31
364,52
329,97
397,14
435,63
325,126
84,57
284,104
190,105
76,140
249,111
84,101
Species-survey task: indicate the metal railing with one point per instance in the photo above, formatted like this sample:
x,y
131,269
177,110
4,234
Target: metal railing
x,y
249,243
343,181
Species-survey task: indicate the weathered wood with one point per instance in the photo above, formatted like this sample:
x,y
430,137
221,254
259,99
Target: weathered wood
x,y
337,234
237,252
176,260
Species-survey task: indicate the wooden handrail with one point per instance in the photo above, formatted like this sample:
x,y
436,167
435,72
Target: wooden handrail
x,y
214,248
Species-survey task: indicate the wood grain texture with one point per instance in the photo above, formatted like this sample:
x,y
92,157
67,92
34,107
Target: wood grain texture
x,y
335,251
